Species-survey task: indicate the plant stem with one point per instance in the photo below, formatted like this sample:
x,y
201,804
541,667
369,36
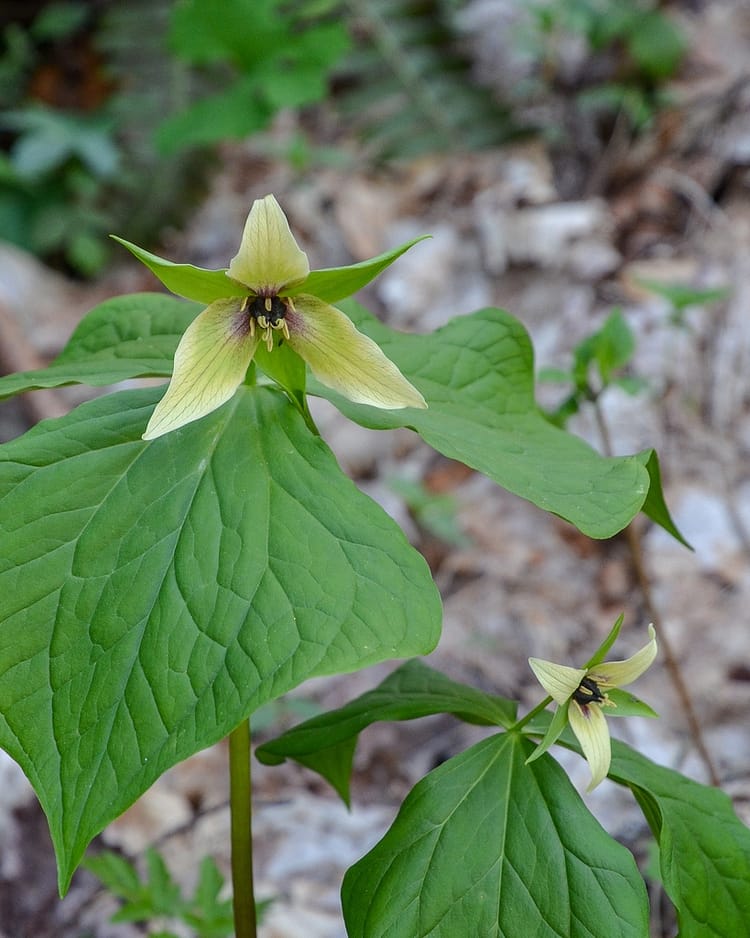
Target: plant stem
x,y
670,658
243,896
540,707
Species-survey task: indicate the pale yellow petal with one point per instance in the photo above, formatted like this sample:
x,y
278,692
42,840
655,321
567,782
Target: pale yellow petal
x,y
269,258
557,679
209,365
344,359
590,726
620,673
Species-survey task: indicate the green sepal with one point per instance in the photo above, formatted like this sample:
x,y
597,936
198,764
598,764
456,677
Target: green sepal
x,y
601,652
557,724
193,283
336,283
329,284
285,367
627,705
326,743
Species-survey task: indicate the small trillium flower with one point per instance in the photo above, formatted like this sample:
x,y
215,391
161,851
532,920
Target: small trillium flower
x,y
264,301
585,693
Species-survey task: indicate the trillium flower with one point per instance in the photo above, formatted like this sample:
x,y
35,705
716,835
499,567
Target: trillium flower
x,y
583,694
268,295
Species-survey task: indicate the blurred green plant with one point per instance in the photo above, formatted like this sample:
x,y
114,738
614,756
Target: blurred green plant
x,y
597,361
157,898
682,296
646,45
407,87
50,184
68,177
433,511
283,61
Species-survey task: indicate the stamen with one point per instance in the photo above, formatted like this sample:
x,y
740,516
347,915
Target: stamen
x,y
269,313
588,692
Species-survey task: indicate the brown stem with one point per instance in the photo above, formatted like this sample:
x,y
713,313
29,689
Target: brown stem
x,y
670,658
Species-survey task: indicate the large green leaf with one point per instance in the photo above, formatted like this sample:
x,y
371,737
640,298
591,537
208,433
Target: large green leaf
x,y
131,336
326,743
704,848
153,594
477,375
486,845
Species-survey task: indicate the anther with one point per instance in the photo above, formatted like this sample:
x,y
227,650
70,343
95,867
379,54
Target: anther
x,y
588,692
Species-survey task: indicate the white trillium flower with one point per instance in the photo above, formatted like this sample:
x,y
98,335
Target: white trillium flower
x,y
585,692
216,350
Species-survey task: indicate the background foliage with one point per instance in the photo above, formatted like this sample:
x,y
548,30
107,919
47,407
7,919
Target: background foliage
x,y
111,111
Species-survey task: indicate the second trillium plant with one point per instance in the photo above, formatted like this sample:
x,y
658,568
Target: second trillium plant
x,y
585,696
270,298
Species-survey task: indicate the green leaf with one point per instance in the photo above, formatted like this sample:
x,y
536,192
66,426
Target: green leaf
x,y
165,893
630,385
132,336
681,295
152,595
614,345
336,283
210,916
656,45
655,507
477,374
235,112
704,848
488,845
285,367
116,873
193,283
554,375
326,743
